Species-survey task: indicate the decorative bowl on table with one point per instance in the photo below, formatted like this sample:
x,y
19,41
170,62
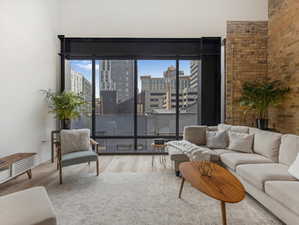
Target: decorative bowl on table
x,y
206,168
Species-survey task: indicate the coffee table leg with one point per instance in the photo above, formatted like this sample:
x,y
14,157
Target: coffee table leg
x,y
181,188
223,212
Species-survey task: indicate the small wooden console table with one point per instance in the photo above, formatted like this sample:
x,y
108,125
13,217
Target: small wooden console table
x,y
14,165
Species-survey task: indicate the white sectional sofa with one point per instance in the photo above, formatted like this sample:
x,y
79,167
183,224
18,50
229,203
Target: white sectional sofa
x,y
263,172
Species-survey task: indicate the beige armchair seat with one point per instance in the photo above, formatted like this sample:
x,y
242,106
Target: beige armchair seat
x,y
14,208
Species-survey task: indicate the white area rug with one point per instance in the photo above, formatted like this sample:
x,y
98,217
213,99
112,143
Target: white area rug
x,y
144,199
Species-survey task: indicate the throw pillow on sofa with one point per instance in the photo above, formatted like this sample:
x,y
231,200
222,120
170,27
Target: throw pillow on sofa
x,y
240,142
267,143
217,139
294,168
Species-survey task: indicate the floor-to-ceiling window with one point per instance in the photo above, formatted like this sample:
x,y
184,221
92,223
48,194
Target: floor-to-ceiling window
x,y
135,101
189,93
114,113
156,90
139,90
78,79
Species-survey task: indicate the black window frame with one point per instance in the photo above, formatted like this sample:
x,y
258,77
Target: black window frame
x,y
208,50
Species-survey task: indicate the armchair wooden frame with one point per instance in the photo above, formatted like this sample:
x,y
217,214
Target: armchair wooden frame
x,y
95,147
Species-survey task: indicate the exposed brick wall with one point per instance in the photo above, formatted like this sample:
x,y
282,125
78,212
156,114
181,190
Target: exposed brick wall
x,y
246,60
283,56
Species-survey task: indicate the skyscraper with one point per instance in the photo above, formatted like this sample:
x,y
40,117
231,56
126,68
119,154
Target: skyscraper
x,y
118,75
195,67
160,92
77,83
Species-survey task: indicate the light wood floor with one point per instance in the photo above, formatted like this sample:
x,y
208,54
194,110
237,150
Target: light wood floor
x,y
47,172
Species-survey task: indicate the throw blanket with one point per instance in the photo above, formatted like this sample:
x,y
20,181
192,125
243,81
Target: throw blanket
x,y
194,152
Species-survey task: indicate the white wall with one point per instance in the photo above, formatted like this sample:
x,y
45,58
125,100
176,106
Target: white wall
x,y
28,63
156,18
29,46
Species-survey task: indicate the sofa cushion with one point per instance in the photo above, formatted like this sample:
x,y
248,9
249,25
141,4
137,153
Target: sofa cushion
x,y
195,134
289,148
240,142
232,160
267,143
237,129
258,174
31,206
253,130
217,139
222,151
284,192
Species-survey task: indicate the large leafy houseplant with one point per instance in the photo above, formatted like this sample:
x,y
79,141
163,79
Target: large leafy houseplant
x,y
258,96
65,105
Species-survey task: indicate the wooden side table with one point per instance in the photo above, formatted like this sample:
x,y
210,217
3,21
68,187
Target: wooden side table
x,y
15,165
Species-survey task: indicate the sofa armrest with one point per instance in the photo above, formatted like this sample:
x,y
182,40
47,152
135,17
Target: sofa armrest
x,y
195,134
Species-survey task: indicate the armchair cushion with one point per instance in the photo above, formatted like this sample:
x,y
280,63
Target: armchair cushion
x,y
75,140
74,158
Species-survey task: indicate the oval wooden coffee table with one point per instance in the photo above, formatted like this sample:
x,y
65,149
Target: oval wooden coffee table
x,y
222,185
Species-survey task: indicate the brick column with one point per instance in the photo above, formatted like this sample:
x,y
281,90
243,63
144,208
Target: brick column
x,y
246,60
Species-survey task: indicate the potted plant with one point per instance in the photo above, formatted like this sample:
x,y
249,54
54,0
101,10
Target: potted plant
x,y
258,96
66,106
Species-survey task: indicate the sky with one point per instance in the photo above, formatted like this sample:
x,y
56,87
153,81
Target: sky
x,y
155,68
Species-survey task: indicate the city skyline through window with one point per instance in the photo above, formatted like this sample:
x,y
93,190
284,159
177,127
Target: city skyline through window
x,y
145,67
132,116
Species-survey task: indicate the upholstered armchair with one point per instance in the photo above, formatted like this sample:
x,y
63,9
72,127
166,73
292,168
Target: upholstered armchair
x,y
76,147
